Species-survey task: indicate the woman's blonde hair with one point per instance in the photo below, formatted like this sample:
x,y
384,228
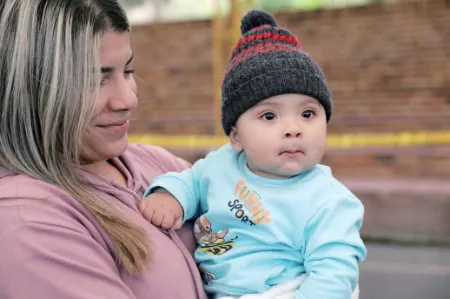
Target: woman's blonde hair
x,y
49,79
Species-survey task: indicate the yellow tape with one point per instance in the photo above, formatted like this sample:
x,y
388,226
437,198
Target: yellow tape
x,y
335,140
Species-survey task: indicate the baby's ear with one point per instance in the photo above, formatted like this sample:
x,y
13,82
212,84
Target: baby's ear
x,y
235,140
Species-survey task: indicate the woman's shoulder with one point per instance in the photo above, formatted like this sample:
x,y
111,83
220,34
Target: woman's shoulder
x,y
22,186
38,211
27,200
155,157
40,220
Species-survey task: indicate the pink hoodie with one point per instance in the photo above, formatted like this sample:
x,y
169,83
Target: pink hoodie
x,y
51,247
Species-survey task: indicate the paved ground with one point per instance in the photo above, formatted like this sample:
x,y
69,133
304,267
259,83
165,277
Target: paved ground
x,y
405,272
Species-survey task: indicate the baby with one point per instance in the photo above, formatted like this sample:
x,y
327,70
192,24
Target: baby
x,y
270,221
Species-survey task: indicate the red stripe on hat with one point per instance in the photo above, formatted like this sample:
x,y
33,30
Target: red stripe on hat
x,y
267,35
260,49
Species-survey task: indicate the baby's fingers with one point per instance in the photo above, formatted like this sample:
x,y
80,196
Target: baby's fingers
x,y
168,220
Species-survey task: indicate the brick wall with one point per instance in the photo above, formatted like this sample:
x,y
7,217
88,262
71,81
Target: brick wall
x,y
388,67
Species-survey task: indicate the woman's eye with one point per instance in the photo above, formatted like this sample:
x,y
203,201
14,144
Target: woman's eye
x,y
308,114
268,116
129,72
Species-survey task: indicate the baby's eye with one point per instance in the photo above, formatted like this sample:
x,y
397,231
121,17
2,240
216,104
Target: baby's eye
x,y
268,116
308,113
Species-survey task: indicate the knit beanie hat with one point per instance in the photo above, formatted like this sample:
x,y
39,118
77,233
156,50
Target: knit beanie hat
x,y
268,61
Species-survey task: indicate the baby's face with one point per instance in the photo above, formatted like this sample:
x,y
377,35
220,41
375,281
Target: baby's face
x,y
282,136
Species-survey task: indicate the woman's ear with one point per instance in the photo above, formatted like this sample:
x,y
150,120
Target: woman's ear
x,y
235,140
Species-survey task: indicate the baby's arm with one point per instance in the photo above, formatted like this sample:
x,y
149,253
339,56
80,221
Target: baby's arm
x,y
333,249
175,197
162,209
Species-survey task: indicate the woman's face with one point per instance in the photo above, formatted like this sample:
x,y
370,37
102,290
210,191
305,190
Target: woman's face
x,y
106,136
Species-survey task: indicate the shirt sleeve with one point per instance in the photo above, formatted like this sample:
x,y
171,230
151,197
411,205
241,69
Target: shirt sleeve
x,y
186,186
51,260
333,250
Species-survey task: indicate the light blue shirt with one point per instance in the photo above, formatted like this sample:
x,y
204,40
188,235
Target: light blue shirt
x,y
254,232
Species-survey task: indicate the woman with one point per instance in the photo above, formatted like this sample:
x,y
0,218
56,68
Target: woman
x,y
70,185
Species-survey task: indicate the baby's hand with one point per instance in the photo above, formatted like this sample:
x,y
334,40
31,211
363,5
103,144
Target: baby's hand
x,y
162,209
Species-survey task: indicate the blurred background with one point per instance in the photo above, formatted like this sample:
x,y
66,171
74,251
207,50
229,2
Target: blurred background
x,y
388,65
